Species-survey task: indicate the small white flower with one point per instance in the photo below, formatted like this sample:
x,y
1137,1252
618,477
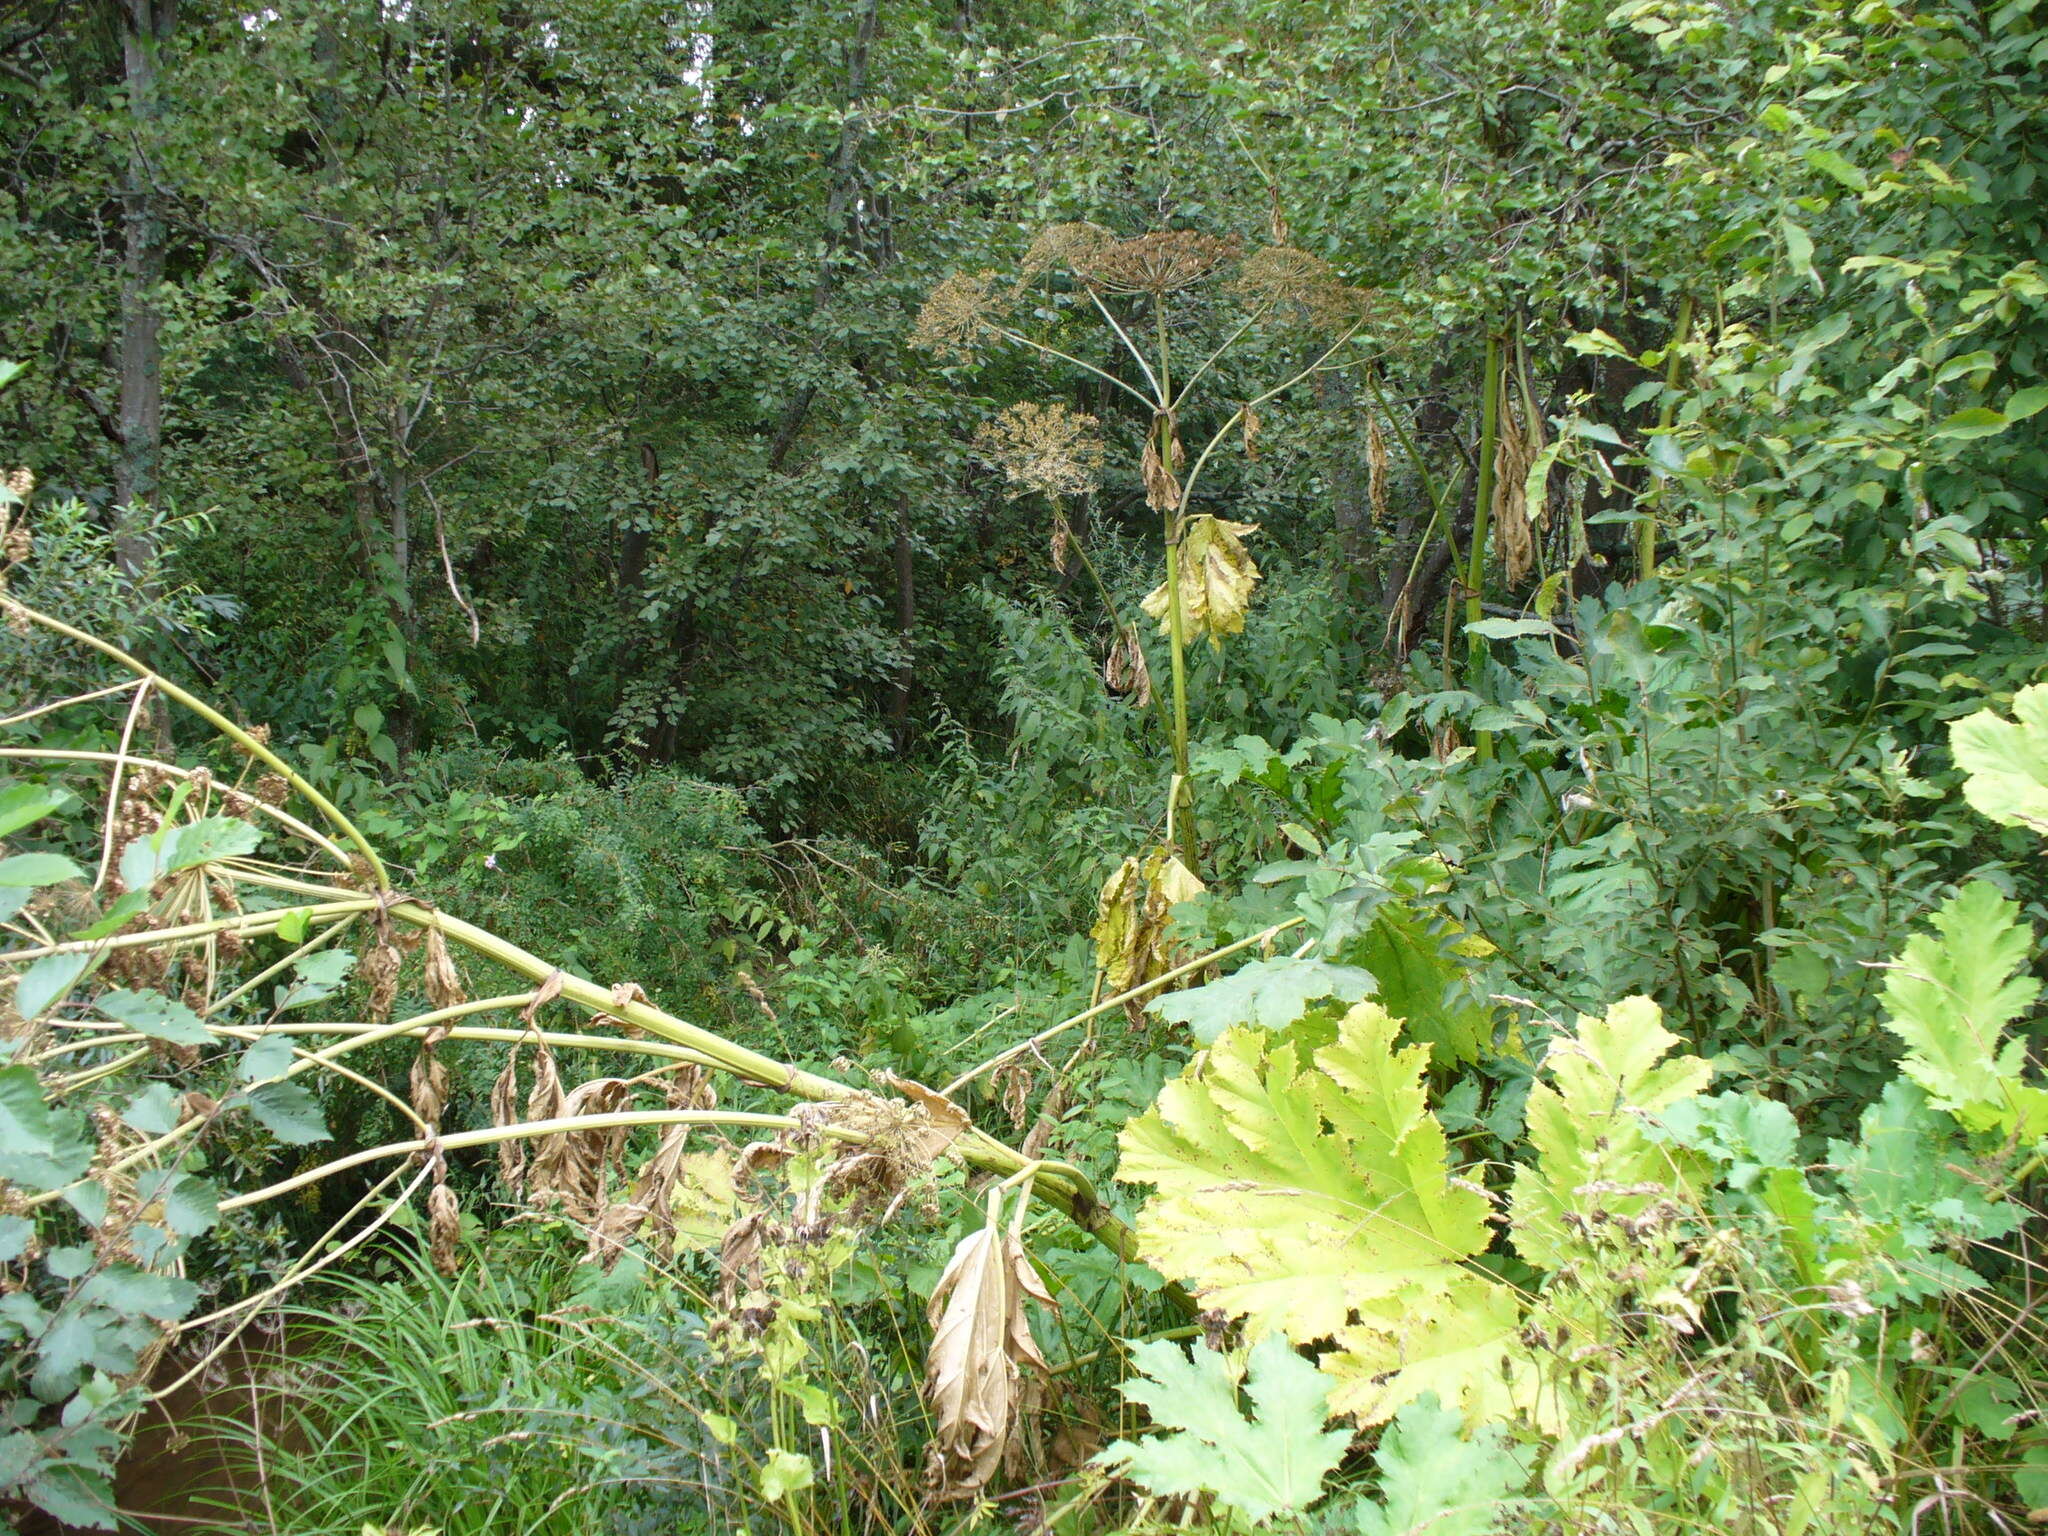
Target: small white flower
x,y
490,861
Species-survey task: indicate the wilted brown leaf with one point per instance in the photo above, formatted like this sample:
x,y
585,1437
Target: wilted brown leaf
x,y
981,1345
444,982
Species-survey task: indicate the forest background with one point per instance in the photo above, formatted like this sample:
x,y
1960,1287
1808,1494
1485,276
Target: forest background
x,y
726,497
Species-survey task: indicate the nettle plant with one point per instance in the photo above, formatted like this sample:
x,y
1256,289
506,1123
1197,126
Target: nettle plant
x,y
1669,1308
1174,304
195,956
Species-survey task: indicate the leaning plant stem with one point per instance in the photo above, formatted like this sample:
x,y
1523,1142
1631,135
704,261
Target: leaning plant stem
x,y
1108,1003
219,722
491,1135
246,923
1057,1183
1646,532
1482,510
262,807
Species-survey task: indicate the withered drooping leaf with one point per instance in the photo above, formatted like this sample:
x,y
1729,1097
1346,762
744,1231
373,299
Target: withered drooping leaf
x,y
444,982
571,1166
1216,580
505,1111
444,1224
981,1346
1124,671
945,1120
1131,943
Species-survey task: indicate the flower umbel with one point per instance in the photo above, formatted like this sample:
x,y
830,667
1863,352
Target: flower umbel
x,y
1043,448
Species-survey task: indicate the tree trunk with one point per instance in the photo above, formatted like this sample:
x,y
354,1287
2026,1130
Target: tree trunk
x,y
144,27
906,623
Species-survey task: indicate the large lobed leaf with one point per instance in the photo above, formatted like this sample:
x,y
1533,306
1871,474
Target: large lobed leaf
x,y
1952,995
1589,1126
1292,1196
2005,762
1271,1461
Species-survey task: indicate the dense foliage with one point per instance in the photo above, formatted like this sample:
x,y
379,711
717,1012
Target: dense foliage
x,y
1293,752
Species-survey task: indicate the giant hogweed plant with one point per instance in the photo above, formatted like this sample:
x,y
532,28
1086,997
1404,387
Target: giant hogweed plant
x,y
1151,294
192,967
1686,1312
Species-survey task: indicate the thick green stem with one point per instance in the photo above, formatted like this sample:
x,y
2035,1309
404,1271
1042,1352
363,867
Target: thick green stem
x,y
1174,520
1646,531
1482,511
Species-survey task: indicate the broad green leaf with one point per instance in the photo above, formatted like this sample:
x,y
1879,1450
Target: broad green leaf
x,y
24,804
190,1204
288,1111
1951,996
1838,166
151,1013
1424,981
1271,1461
1750,1133
1291,1196
40,1147
13,899
1434,1482
48,982
1587,1127
141,1292
784,1473
2027,402
38,869
78,1495
1266,994
318,977
154,1111
116,916
2005,762
268,1057
207,841
1974,421
1906,1182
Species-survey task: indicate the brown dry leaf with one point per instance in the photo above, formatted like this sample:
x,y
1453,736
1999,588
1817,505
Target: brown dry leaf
x,y
1516,447
1250,429
444,982
943,1122
624,994
1125,672
549,989
444,1224
981,1344
1062,544
1162,490
572,1165
505,1111
1216,580
739,1257
380,970
429,1084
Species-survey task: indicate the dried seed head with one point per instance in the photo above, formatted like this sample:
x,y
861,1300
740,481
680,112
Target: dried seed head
x,y
1281,274
1062,245
1162,262
21,483
954,316
1043,448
